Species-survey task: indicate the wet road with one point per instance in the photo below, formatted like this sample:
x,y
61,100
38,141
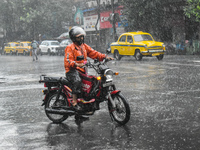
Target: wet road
x,y
164,98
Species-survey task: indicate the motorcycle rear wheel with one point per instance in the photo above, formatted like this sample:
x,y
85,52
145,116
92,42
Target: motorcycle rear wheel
x,y
56,118
121,113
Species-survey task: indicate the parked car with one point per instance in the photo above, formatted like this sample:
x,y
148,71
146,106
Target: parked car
x,y
24,48
137,44
48,47
10,48
63,45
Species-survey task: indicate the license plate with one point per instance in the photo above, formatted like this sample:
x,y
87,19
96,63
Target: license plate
x,y
155,54
107,84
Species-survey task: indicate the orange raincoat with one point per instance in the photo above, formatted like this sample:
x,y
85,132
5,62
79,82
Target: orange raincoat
x,y
73,50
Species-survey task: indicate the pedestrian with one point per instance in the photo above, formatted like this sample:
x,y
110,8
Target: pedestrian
x,y
34,46
75,55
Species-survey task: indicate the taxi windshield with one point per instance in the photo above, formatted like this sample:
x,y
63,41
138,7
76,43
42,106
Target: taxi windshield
x,y
14,44
142,37
27,44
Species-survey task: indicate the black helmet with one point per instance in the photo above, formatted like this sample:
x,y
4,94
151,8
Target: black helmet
x,y
76,31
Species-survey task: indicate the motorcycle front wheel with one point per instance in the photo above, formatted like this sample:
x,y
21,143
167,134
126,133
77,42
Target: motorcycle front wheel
x,y
52,103
120,113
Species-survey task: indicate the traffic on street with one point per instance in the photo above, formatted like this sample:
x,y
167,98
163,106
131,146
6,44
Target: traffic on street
x,y
163,95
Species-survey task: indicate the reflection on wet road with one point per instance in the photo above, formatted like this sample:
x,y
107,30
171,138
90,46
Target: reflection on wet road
x,y
164,98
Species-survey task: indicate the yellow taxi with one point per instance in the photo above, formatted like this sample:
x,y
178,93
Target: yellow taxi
x,y
24,48
10,48
137,44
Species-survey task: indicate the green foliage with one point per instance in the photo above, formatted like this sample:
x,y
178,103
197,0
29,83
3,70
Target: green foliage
x,y
192,9
149,15
26,19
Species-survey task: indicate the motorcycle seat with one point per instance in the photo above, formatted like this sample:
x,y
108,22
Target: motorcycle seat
x,y
51,79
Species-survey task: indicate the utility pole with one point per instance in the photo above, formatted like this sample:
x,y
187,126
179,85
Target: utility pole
x,y
98,31
113,21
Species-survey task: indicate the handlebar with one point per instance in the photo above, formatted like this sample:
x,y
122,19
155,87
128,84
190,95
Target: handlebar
x,y
97,62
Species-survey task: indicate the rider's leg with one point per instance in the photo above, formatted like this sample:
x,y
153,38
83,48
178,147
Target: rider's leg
x,y
74,99
74,78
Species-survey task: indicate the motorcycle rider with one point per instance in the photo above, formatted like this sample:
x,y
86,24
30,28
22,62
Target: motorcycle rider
x,y
75,56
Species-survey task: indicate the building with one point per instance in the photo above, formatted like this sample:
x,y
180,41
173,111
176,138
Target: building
x,y
96,19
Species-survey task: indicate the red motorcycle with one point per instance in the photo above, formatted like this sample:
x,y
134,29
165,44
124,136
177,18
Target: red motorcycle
x,y
95,89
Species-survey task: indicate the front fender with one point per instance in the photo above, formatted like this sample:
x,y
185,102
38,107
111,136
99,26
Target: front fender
x,y
111,96
115,92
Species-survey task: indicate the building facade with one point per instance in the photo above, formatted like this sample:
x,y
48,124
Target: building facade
x,y
97,21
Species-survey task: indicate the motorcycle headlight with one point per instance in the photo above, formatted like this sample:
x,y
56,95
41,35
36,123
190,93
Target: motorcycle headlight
x,y
109,75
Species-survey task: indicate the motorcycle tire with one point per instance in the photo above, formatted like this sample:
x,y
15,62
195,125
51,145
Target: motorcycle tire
x,y
56,118
121,113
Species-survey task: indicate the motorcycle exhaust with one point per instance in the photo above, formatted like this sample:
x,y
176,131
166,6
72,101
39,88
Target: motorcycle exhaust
x,y
60,112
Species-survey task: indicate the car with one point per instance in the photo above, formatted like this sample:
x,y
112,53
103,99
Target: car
x,y
137,44
63,45
10,48
48,47
24,48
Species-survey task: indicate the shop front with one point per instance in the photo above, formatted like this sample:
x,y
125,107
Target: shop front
x,y
106,27
99,31
91,28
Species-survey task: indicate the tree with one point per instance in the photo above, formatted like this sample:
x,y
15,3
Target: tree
x,y
144,15
26,19
46,16
192,9
150,15
9,20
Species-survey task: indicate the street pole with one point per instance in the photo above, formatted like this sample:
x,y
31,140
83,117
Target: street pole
x,y
113,22
98,31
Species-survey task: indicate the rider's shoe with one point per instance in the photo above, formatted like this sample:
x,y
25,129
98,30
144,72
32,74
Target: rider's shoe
x,y
80,119
77,108
97,106
84,118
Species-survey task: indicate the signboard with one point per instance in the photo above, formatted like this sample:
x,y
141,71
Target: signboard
x,y
78,17
120,30
104,19
90,22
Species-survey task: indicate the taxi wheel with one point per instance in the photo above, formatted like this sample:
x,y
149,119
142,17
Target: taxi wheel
x,y
160,57
117,55
138,55
11,53
17,53
24,53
